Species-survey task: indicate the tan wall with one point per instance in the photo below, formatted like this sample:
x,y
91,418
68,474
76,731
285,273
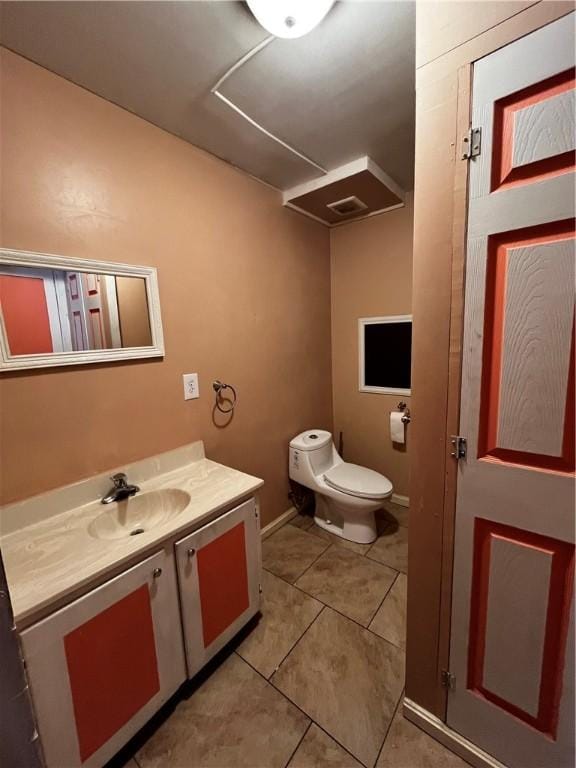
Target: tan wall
x,y
244,286
371,276
449,37
133,312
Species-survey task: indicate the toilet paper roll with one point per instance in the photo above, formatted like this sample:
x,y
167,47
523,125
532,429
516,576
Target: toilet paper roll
x,y
397,432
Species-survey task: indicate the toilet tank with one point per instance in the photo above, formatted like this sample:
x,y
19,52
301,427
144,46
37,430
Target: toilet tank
x,y
311,453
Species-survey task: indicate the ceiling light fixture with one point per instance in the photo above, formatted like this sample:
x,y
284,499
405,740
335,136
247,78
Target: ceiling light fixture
x,y
289,18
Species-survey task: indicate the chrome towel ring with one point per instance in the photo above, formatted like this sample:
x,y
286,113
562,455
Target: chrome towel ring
x,y
219,387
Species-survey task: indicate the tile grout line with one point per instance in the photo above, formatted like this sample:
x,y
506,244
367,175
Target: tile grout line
x,y
329,545
295,643
284,695
382,602
383,565
337,540
316,538
270,681
337,742
293,703
271,684
328,607
336,610
297,747
320,612
299,526
326,548
398,704
337,543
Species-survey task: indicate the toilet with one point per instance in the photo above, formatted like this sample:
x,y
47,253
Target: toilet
x,y
347,495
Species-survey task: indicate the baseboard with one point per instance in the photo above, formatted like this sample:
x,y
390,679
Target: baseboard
x,y
402,501
269,529
449,738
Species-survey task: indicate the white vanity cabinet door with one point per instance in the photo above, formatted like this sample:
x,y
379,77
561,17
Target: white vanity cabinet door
x,y
100,667
219,574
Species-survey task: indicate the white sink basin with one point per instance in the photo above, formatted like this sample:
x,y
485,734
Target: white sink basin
x,y
138,514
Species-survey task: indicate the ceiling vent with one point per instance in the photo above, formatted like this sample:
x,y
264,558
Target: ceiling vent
x,y
350,192
348,206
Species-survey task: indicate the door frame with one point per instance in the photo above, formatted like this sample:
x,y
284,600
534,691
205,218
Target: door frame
x,y
444,90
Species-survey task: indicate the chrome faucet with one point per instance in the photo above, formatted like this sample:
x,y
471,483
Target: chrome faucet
x,y
121,490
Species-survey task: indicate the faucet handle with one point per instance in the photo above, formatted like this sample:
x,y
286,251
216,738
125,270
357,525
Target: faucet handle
x,y
119,479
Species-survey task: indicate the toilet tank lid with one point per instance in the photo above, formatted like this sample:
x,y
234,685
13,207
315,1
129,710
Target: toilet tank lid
x,y
311,440
358,481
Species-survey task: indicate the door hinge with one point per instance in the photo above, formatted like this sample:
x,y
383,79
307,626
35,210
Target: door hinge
x,y
472,143
459,447
448,680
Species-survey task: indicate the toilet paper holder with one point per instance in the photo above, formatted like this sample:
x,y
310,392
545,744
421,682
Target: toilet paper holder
x,y
405,412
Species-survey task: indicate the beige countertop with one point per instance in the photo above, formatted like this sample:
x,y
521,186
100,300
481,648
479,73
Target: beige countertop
x,y
55,557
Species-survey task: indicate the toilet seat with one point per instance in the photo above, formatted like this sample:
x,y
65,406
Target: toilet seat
x,y
358,481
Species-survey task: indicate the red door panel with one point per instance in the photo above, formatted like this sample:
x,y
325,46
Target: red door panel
x,y
536,106
500,284
547,673
25,313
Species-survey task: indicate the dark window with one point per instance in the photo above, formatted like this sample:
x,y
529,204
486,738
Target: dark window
x,y
387,354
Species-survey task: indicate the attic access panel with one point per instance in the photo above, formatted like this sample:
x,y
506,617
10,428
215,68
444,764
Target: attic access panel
x,y
385,354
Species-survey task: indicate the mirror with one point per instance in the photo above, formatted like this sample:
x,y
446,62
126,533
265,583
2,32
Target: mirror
x,y
58,311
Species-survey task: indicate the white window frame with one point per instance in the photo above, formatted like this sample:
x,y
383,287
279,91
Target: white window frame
x,y
362,323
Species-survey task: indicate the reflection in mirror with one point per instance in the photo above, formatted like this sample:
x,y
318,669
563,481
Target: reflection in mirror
x,y
55,310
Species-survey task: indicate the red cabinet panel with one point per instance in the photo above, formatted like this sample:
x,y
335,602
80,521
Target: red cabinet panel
x,y
219,577
223,582
101,666
112,667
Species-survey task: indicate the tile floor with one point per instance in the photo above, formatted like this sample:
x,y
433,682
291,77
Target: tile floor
x,y
317,682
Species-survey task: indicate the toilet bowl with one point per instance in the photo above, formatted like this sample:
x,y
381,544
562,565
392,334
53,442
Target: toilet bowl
x,y
347,495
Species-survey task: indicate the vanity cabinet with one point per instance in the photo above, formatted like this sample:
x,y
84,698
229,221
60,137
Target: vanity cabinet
x,y
219,578
101,666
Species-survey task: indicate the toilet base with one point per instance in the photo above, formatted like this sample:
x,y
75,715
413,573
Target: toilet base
x,y
357,525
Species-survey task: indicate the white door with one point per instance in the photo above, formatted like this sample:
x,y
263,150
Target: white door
x,y
219,576
92,285
512,643
78,322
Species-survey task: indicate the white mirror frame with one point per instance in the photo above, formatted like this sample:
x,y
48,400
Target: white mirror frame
x,y
362,323
10,362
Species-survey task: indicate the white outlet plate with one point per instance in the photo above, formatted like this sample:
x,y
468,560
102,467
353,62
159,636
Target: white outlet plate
x,y
191,388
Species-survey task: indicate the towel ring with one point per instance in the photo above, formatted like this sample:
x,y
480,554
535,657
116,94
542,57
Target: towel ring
x,y
219,387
